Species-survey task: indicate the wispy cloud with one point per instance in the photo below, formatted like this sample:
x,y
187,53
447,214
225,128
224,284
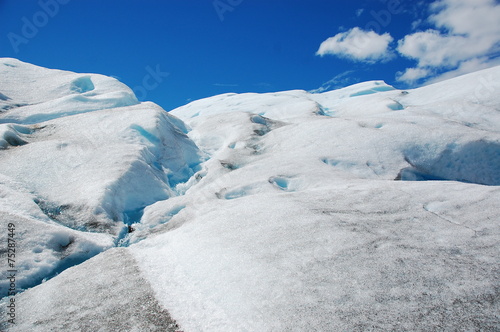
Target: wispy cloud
x,y
339,81
466,67
358,45
225,85
263,85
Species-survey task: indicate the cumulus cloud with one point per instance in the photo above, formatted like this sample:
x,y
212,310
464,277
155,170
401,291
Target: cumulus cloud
x,y
358,45
466,38
476,18
432,49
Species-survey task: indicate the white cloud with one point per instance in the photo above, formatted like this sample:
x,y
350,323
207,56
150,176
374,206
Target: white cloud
x,y
359,12
476,18
358,45
412,75
431,48
467,40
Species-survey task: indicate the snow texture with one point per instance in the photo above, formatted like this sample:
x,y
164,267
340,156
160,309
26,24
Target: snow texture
x,y
364,208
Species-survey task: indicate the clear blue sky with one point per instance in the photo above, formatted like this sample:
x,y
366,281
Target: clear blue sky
x,y
209,47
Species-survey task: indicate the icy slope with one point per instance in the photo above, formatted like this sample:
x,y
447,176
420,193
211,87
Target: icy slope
x,y
79,159
257,212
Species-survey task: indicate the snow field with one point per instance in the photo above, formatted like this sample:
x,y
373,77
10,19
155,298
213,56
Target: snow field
x,y
360,256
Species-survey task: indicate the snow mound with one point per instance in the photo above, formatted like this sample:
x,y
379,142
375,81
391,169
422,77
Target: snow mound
x,y
87,158
62,93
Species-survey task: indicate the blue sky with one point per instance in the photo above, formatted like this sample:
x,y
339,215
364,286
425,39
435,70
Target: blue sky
x,y
174,51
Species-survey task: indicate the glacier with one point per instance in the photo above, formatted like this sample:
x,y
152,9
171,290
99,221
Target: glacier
x,y
362,208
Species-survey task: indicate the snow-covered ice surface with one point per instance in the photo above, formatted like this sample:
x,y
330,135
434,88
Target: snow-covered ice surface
x,y
364,208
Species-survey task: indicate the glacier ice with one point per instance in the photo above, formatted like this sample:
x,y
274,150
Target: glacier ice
x,y
252,212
